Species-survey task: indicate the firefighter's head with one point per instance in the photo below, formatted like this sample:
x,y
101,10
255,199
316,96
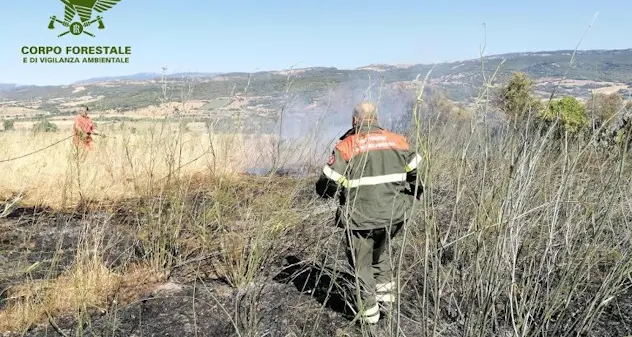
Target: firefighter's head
x,y
83,111
364,113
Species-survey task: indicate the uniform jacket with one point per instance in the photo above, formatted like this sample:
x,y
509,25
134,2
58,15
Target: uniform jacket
x,y
373,171
83,128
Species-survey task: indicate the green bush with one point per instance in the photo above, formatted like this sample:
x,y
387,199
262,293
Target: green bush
x,y
572,114
516,99
45,126
9,125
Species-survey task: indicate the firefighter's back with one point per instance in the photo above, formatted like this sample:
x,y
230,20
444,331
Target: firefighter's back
x,y
376,176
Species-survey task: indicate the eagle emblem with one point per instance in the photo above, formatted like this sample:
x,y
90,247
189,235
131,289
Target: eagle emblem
x,y
83,9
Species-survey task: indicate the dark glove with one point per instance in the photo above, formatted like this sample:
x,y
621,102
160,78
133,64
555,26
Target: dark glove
x,y
411,191
325,188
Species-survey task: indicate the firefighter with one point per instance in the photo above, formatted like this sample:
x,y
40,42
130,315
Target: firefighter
x,y
83,130
374,173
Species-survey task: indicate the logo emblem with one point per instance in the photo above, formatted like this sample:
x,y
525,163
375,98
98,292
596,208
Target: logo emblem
x,y
332,160
83,9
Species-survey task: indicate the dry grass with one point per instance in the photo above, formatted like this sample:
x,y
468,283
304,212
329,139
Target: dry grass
x,y
10,112
126,163
516,236
162,169
235,225
87,286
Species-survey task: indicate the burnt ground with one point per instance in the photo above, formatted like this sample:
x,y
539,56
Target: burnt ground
x,y
188,303
294,296
214,309
45,243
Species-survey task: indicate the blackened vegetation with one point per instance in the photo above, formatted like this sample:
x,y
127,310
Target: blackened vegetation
x,y
46,242
301,287
330,287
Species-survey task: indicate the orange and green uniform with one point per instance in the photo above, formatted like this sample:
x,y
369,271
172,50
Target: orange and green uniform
x,y
372,170
82,129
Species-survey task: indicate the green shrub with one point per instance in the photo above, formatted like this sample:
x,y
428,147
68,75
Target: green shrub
x,y
572,114
9,125
45,126
516,99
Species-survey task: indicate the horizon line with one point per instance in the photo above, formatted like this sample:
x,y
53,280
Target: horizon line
x,y
408,65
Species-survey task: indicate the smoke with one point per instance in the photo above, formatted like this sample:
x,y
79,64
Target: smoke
x,y
310,123
330,116
308,129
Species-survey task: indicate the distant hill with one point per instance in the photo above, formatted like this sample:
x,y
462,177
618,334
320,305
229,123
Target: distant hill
x,y
7,86
265,92
142,77
596,68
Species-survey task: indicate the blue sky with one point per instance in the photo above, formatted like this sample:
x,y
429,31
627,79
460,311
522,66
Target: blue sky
x,y
223,36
